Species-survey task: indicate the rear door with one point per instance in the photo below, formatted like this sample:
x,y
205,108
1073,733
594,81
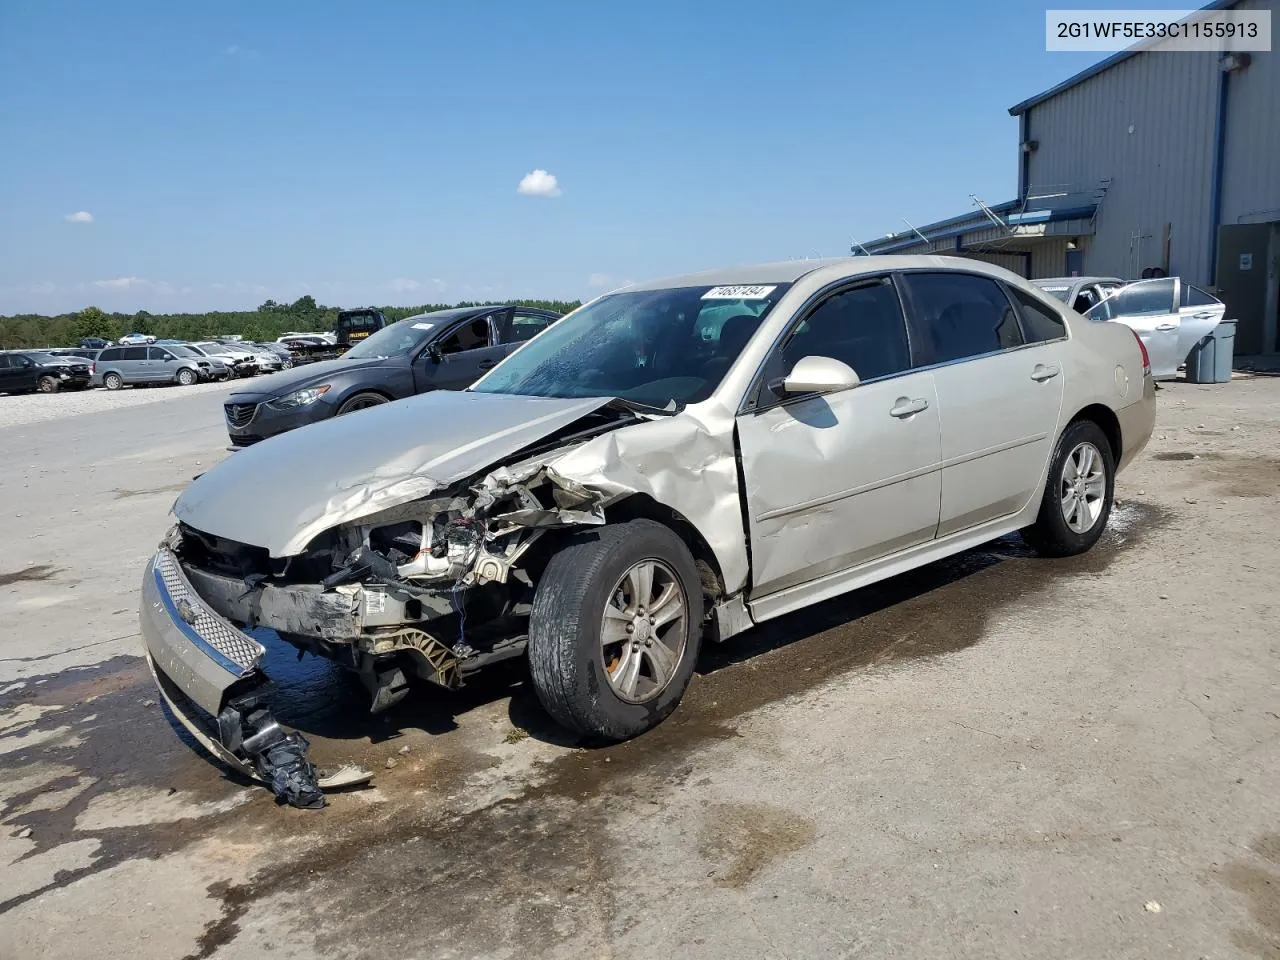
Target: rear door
x,y
999,390
1198,314
7,374
465,351
1150,308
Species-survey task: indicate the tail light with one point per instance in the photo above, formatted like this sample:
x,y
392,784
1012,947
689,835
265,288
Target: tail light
x,y
1146,358
93,368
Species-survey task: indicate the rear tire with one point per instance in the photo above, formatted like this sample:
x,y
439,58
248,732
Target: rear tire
x,y
1078,493
361,401
47,385
606,660
113,381
187,377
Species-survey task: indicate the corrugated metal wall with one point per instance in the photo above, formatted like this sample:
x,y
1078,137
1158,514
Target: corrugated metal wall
x,y
1160,173
1251,186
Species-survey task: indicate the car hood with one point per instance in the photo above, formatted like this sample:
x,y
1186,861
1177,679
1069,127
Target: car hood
x,y
309,375
281,493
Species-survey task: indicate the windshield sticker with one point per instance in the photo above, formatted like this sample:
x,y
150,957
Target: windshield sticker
x,y
423,326
738,293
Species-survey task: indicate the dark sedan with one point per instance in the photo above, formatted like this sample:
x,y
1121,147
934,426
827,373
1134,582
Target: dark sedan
x,y
445,350
22,371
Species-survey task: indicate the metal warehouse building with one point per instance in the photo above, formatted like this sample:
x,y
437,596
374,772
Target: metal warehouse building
x,y
1145,161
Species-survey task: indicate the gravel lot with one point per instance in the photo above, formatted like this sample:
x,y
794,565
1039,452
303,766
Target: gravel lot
x,y
41,407
996,756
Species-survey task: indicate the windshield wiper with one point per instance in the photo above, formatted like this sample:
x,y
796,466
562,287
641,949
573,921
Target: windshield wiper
x,y
670,410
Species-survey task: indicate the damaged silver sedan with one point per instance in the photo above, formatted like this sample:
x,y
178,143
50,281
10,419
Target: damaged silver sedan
x,y
670,464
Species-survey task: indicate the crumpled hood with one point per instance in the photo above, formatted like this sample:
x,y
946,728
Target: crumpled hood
x,y
281,493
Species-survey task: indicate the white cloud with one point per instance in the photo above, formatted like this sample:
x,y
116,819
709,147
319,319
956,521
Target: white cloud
x,y
599,280
232,50
123,283
539,183
80,216
404,285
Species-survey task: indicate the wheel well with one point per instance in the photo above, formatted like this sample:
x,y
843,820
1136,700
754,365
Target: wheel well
x,y
1107,421
641,506
374,390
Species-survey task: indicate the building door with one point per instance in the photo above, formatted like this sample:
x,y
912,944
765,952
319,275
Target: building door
x,y
1075,263
1246,282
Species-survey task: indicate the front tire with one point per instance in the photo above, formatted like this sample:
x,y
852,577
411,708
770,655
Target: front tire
x,y
1078,493
47,385
361,401
187,378
615,629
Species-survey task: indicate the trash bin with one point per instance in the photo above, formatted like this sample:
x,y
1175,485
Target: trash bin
x,y
1210,360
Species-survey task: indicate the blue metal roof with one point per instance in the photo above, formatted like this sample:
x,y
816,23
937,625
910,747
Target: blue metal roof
x,y
1097,68
959,226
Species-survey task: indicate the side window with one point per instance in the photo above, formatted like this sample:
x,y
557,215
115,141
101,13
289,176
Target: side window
x,y
133,353
961,315
1144,298
1195,297
157,353
4,361
111,353
1039,322
526,326
862,327
470,336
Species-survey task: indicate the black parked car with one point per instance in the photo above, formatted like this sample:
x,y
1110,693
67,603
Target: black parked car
x,y
22,371
94,343
445,350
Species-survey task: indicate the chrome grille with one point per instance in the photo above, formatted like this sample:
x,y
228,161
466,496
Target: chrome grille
x,y
240,649
240,414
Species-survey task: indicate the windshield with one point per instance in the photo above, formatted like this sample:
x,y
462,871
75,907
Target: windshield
x,y
1056,291
394,340
182,350
655,347
215,349
47,358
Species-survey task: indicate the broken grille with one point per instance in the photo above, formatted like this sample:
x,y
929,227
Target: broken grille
x,y
241,650
240,414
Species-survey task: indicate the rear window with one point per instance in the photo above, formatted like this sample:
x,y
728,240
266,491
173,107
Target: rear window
x,y
1059,293
1039,322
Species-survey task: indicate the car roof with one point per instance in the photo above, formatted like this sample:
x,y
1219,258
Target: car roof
x,y
456,313
832,269
1071,280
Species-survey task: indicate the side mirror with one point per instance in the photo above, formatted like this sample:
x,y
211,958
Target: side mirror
x,y
816,375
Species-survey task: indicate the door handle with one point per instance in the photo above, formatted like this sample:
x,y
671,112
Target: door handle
x,y
1040,372
906,407
488,364
1201,316
1166,327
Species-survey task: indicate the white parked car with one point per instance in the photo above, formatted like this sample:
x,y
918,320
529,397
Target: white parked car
x,y
134,339
652,471
1169,315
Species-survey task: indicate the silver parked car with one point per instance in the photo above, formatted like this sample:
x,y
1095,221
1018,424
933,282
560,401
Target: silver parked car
x,y
118,366
670,463
1169,315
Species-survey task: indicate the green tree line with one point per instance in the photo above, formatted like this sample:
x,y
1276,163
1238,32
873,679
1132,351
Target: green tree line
x,y
269,321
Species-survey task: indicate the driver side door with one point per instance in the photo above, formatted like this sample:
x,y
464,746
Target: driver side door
x,y
838,480
462,355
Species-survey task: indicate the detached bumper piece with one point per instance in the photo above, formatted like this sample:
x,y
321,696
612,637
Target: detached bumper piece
x,y
200,660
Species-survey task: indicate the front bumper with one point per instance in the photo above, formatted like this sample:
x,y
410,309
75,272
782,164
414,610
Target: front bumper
x,y
201,652
197,657
267,420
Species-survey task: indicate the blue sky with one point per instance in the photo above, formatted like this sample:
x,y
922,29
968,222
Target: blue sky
x,y
372,152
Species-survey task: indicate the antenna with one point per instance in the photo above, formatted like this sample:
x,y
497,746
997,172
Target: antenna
x,y
916,232
856,246
991,214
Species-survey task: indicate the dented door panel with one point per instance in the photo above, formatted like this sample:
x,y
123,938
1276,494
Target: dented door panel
x,y
839,480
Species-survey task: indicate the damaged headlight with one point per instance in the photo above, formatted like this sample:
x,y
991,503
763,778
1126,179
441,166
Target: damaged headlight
x,y
300,398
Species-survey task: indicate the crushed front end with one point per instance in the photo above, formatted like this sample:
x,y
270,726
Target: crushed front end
x,y
429,590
